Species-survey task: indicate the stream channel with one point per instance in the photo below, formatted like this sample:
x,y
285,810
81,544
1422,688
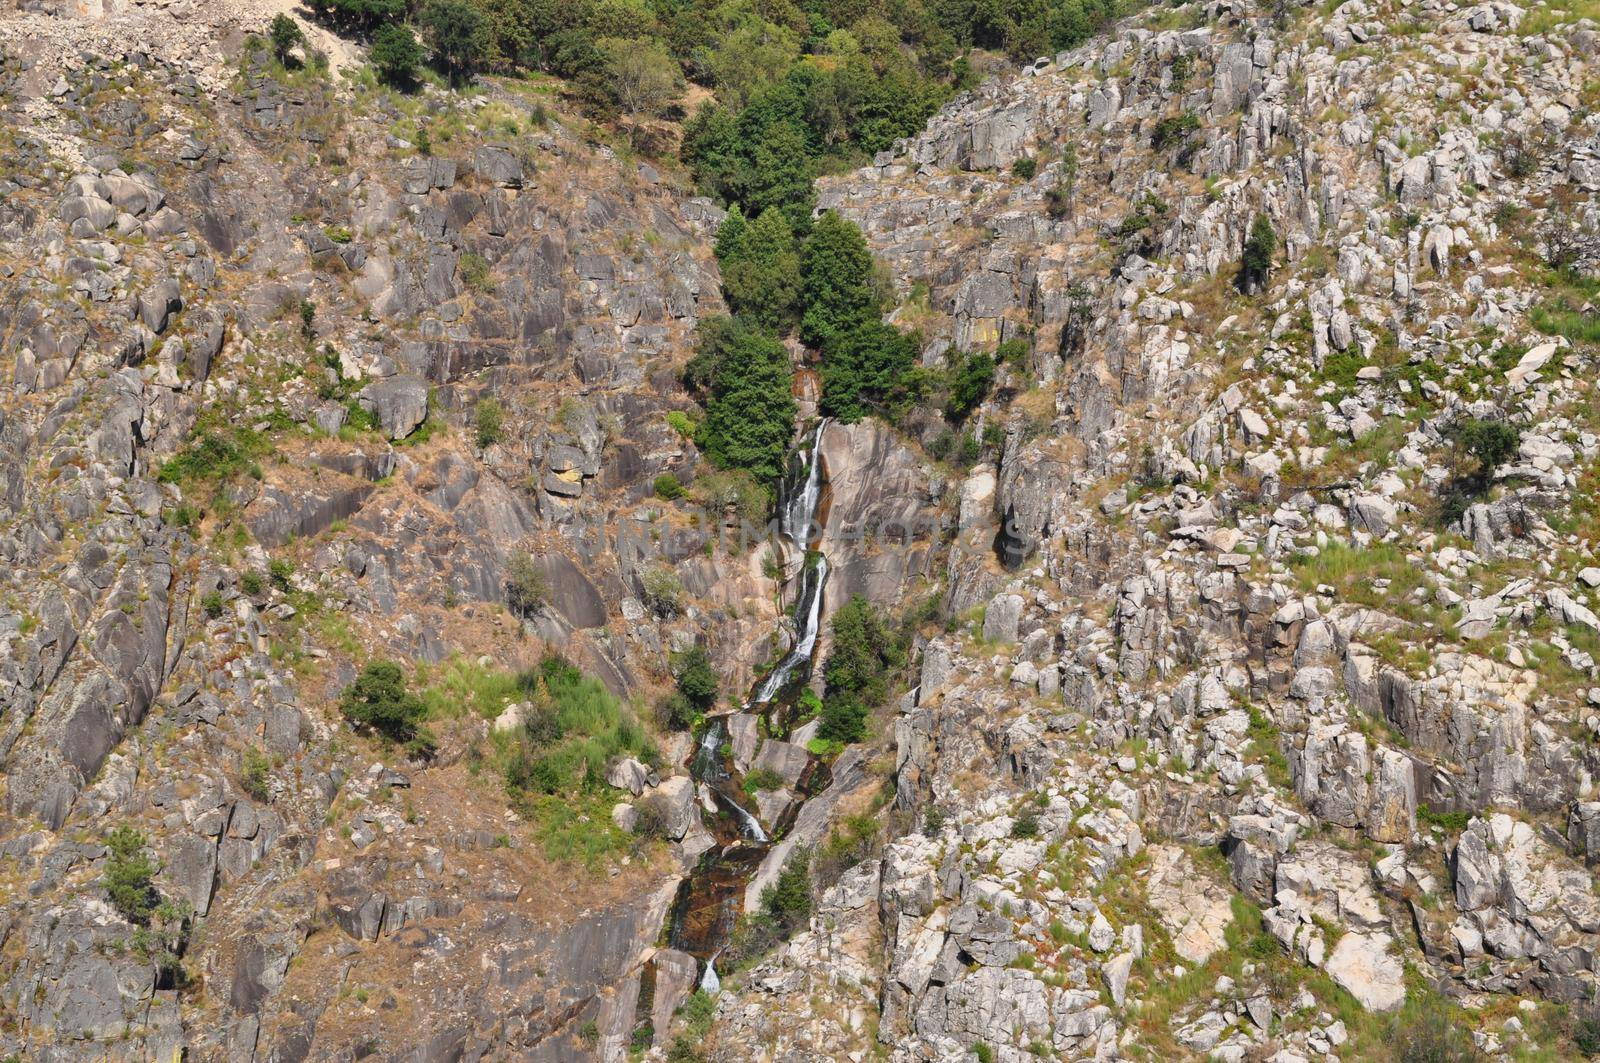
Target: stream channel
x,y
710,900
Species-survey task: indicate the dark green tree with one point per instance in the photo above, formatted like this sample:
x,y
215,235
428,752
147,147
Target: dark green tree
x,y
396,54
285,33
856,675
379,701
358,15
696,677
760,268
750,412
836,281
971,377
867,369
129,875
458,34
787,902
1257,262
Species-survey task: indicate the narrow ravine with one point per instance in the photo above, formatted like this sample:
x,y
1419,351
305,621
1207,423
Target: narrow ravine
x,y
708,906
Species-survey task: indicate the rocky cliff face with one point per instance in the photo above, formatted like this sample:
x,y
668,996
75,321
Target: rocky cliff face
x,y
1238,739
250,328
1250,728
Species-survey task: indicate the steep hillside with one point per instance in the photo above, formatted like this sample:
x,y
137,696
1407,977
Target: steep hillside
x,y
401,658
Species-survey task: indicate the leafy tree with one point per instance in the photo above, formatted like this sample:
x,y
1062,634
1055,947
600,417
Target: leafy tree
x,y
662,591
254,769
760,268
867,368
970,380
668,487
1479,446
856,674
843,718
396,54
750,412
644,80
458,34
488,421
696,678
129,875
780,172
787,902
379,701
1257,261
836,281
358,15
284,33
527,589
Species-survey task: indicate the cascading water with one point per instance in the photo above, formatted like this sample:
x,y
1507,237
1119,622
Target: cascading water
x,y
798,523
709,900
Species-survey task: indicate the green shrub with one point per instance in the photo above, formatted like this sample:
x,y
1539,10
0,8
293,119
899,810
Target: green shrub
x,y
843,719
787,902
458,34
1436,1036
682,423
1173,130
1256,265
1026,823
971,377
668,488
527,589
129,875
214,456
757,780
760,269
697,678
284,33
280,570
576,729
661,591
358,14
865,370
750,409
1479,446
378,701
253,771
396,55
836,282
1586,1036
252,582
1024,168
736,490
475,272
212,604
488,421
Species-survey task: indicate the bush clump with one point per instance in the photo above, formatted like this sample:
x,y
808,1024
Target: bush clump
x,y
396,55
668,488
1479,446
489,419
378,701
857,671
527,589
130,875
1256,264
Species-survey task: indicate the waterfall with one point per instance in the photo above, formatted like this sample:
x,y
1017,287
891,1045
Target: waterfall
x,y
707,768
706,910
797,521
710,984
800,511
808,612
